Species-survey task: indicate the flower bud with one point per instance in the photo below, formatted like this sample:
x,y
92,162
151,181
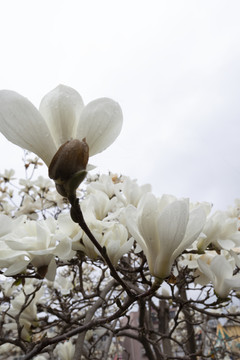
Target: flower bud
x,y
68,166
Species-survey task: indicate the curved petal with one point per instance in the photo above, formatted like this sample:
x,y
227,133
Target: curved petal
x,y
64,249
221,267
205,268
61,108
22,124
131,222
226,244
234,282
124,249
197,219
100,123
6,224
52,269
147,211
17,267
172,224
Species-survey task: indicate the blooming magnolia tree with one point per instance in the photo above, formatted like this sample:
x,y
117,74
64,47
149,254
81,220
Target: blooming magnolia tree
x,y
90,263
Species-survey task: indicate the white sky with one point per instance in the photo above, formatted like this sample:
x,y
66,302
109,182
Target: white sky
x,y
174,67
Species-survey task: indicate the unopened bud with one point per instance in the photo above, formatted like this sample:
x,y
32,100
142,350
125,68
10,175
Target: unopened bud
x,y
68,166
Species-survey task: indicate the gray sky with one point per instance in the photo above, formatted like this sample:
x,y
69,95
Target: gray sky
x,y
174,67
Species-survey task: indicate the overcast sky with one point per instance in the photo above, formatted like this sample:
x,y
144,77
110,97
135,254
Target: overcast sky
x,y
174,67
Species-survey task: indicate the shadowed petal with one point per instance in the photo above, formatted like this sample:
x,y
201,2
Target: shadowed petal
x,y
100,123
22,124
205,268
131,222
17,267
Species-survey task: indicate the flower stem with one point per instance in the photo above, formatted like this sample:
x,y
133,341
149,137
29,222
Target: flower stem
x,y
77,216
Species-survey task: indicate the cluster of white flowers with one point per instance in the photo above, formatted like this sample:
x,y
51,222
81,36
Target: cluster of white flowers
x,y
119,211
121,215
115,209
218,252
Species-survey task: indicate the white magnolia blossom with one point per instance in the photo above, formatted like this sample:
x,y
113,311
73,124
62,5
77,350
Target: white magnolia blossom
x,y
97,206
29,206
62,116
220,273
28,315
65,350
43,183
116,242
112,235
221,231
164,229
104,183
8,175
37,243
129,192
64,281
9,256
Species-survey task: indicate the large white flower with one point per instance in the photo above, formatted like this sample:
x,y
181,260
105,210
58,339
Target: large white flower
x,y
39,243
164,229
62,116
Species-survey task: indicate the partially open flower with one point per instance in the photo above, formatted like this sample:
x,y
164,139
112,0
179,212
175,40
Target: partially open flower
x,y
59,126
164,229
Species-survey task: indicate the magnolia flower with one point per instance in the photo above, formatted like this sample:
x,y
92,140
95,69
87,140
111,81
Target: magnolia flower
x,y
116,242
62,117
28,314
220,273
97,206
65,350
112,236
63,281
8,175
221,231
40,245
102,183
164,229
129,192
29,207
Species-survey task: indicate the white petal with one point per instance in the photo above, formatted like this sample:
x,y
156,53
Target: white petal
x,y
51,271
221,267
147,218
234,282
195,225
66,225
131,222
204,268
22,124
6,224
61,108
17,267
125,248
100,123
172,225
64,249
226,244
